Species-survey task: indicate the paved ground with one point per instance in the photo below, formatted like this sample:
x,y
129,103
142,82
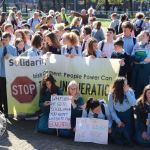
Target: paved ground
x,y
21,135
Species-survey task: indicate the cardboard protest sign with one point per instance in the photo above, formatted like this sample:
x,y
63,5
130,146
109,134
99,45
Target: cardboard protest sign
x,y
60,112
91,130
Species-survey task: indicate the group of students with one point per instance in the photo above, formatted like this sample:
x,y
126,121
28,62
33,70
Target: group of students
x,y
82,35
128,117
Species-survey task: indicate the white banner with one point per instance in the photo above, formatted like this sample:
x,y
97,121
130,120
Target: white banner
x,y
60,112
24,78
91,130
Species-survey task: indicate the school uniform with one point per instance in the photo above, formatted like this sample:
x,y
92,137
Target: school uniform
x,y
54,50
98,34
103,114
32,52
143,47
127,59
142,116
129,43
71,50
141,69
76,112
98,53
42,125
122,113
11,50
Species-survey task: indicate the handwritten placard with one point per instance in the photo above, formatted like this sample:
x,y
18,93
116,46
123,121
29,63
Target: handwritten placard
x,y
148,126
60,112
91,130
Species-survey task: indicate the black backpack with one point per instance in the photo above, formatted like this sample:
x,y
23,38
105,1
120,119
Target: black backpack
x,y
138,29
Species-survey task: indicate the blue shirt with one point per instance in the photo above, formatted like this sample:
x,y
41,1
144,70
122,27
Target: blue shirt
x,y
32,52
128,44
128,102
98,34
11,50
100,115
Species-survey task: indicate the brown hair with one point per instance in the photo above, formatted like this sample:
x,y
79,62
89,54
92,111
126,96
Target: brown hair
x,y
22,34
17,41
90,50
50,78
142,99
36,41
6,26
127,24
74,21
72,38
117,89
54,39
97,25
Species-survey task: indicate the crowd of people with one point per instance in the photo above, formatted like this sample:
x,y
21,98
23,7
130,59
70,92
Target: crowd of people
x,y
82,35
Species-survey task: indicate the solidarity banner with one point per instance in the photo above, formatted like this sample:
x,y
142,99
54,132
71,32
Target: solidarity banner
x,y
24,76
60,112
91,130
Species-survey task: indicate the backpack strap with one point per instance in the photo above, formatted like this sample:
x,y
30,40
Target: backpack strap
x,y
102,45
31,22
134,40
76,48
87,110
103,109
140,26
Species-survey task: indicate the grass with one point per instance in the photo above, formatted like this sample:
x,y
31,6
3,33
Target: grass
x,y
105,22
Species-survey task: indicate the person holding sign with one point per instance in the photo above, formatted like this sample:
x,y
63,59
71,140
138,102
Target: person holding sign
x,y
120,53
143,123
97,109
71,47
77,104
120,102
48,88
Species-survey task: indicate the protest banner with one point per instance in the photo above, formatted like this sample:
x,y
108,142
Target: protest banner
x,y
24,76
60,112
91,130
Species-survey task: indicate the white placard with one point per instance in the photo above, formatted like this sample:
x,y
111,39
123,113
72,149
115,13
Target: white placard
x,y
91,130
60,112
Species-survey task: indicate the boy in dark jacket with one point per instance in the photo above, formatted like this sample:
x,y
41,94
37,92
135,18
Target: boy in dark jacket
x,y
119,53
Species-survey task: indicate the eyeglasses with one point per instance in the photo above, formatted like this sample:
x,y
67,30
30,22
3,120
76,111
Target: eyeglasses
x,y
73,88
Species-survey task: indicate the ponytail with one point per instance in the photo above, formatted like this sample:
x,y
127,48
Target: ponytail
x,y
92,104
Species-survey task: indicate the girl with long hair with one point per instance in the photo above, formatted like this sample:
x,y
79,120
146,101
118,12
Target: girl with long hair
x,y
53,44
92,49
142,111
48,88
120,102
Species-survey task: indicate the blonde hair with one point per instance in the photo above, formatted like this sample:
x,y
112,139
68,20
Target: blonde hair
x,y
139,15
60,26
74,21
72,38
91,9
73,83
139,37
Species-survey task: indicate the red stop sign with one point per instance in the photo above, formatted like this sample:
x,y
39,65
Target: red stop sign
x,y
23,89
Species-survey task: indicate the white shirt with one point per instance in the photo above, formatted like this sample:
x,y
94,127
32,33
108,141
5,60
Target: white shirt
x,y
107,49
